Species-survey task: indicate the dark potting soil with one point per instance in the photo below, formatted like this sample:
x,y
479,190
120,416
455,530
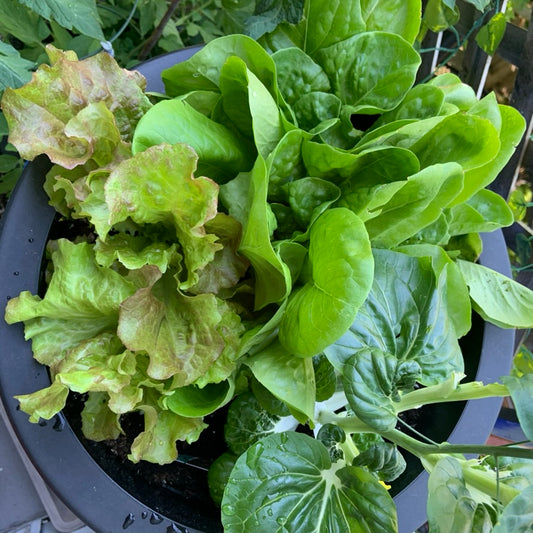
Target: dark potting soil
x,y
177,491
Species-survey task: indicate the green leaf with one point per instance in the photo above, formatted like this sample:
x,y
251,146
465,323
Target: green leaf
x,y
202,70
158,186
192,401
490,34
221,154
329,22
218,475
72,310
416,205
497,298
98,421
14,69
397,16
260,119
269,13
325,378
420,102
372,380
247,197
182,335
290,379
81,15
483,212
378,83
456,92
247,422
341,267
516,517
451,505
19,21
510,133
439,15
288,481
448,274
405,315
383,458
521,389
157,443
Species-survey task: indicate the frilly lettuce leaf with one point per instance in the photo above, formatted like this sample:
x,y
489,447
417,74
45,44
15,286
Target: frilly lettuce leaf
x,y
82,108
158,186
182,335
82,300
157,443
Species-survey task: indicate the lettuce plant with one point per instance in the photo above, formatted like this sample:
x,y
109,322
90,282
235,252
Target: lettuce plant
x,y
293,230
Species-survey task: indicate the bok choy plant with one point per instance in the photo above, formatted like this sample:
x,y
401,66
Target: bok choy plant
x,y
293,230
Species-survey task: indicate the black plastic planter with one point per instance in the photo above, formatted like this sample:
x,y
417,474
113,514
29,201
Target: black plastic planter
x,y
111,496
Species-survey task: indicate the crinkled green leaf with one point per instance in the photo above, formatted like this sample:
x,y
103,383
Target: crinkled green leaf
x,y
247,422
162,429
228,266
372,380
378,83
341,269
58,93
383,458
497,298
310,197
405,315
44,403
134,252
72,309
288,481
183,335
98,421
157,186
298,74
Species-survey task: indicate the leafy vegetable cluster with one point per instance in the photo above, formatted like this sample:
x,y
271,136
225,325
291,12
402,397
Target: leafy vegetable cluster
x,y
293,227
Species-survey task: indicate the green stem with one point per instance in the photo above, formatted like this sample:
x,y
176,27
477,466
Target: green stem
x,y
468,391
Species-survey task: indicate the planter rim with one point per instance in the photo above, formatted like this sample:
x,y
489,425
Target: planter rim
x,y
88,491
